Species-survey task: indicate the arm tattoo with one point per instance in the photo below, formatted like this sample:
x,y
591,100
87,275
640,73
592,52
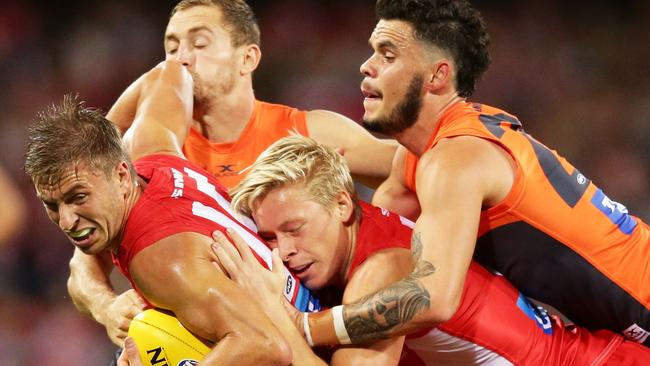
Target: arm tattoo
x,y
380,315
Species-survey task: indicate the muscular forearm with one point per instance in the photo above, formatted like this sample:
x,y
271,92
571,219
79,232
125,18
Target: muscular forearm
x,y
302,353
248,349
399,309
89,286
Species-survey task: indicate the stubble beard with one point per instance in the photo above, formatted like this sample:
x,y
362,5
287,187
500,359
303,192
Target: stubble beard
x,y
405,113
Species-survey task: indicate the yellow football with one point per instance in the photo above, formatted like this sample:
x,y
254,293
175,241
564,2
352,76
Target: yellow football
x,y
163,341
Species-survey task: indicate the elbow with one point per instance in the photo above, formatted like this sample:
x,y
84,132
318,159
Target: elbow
x,y
443,307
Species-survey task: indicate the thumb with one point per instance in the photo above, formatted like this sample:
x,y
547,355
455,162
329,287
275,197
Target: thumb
x,y
131,350
278,266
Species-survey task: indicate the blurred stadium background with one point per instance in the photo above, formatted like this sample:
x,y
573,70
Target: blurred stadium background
x,y
576,74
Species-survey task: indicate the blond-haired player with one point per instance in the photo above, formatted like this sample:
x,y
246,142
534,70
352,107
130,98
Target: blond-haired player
x,y
301,197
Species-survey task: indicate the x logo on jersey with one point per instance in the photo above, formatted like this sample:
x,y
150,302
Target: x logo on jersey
x,y
226,168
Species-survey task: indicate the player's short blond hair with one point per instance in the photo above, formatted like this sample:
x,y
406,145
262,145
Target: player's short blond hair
x,y
290,161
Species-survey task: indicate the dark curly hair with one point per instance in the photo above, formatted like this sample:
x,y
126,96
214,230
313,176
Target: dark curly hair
x,y
453,26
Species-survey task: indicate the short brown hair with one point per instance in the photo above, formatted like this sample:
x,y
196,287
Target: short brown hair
x,y
237,15
67,134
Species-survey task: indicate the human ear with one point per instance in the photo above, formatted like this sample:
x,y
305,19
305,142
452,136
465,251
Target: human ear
x,y
250,59
344,206
440,76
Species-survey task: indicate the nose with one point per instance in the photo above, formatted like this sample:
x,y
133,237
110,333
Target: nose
x,y
286,247
68,219
366,68
185,56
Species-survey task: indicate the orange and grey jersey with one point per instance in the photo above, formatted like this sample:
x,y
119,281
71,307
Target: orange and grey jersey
x,y
228,161
556,236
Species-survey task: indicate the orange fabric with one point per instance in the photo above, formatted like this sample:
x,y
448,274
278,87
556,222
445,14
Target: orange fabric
x,y
535,200
228,161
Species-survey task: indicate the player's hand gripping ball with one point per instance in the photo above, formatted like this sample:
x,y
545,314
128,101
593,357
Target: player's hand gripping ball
x,y
162,340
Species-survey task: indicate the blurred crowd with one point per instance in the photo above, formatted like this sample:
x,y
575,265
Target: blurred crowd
x,y
575,73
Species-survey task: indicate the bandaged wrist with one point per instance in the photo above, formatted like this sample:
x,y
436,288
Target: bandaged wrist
x,y
305,327
339,325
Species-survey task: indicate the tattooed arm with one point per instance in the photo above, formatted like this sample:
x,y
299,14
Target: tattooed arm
x,y
455,180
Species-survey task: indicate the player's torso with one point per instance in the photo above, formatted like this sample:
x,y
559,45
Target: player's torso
x,y
228,161
181,197
556,236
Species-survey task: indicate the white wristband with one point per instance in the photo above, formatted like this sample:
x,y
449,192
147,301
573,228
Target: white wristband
x,y
305,327
339,325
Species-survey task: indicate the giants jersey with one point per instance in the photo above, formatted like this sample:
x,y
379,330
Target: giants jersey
x,y
494,323
180,197
227,162
556,236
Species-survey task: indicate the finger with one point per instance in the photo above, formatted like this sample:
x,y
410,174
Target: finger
x,y
123,360
117,339
132,352
227,247
215,235
136,299
242,246
123,326
231,269
278,265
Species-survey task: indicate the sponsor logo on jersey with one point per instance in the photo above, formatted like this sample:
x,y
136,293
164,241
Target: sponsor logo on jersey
x,y
289,286
225,170
636,333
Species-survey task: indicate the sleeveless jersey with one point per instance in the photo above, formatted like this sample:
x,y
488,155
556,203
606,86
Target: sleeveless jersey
x,y
181,197
556,236
228,161
494,323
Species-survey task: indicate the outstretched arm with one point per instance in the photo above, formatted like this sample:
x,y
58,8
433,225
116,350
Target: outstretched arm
x,y
163,114
454,180
368,157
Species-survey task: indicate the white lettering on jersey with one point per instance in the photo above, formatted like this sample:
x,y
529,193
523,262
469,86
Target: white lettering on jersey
x,y
209,213
208,188
179,183
406,222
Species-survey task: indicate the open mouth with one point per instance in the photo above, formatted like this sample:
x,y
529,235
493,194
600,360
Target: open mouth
x,y
371,95
81,235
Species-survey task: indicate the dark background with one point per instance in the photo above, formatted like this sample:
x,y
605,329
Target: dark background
x,y
577,75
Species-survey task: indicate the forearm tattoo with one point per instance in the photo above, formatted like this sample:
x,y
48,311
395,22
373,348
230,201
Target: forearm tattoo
x,y
380,315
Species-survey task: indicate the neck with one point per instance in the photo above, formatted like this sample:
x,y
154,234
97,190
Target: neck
x,y
225,119
352,233
416,137
130,200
